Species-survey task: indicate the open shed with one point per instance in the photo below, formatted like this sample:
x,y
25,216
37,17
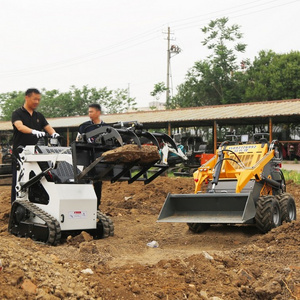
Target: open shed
x,y
267,112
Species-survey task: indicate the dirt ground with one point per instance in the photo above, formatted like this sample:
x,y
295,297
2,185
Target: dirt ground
x,y
225,262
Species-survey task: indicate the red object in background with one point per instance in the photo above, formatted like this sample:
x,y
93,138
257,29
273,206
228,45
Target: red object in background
x,y
204,157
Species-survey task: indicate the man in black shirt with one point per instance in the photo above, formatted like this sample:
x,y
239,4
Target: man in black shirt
x,y
93,123
28,125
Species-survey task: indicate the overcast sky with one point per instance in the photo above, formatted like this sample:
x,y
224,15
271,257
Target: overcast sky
x,y
120,44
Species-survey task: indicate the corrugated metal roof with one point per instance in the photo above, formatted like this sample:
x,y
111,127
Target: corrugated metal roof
x,y
205,113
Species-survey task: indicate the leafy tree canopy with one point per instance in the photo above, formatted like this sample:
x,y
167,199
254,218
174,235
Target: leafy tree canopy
x,y
72,103
220,79
158,89
273,77
213,81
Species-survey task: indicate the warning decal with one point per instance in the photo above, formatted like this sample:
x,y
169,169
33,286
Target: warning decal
x,y
77,214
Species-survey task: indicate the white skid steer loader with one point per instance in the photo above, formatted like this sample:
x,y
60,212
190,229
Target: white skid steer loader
x,y
55,193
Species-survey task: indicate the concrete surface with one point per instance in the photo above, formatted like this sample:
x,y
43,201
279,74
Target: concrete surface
x,y
291,166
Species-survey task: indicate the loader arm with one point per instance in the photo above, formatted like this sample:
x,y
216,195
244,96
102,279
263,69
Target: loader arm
x,y
256,171
241,166
203,173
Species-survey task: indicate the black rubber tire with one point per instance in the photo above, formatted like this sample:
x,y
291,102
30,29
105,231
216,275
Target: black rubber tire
x,y
287,207
268,214
198,227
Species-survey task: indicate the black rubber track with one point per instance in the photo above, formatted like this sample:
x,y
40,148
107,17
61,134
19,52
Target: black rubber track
x,y
54,230
108,226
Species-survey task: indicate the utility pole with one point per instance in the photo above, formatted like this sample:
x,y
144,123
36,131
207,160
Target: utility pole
x,y
168,67
171,50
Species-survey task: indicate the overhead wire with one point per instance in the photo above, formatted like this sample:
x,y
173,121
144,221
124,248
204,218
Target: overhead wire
x,y
215,12
51,67
88,56
140,39
202,22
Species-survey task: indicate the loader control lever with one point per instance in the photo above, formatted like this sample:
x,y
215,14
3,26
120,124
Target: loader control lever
x,y
35,179
218,166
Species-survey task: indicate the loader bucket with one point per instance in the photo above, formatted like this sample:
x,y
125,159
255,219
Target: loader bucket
x,y
210,208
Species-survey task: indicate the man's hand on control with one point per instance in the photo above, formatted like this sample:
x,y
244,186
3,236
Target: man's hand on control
x,y
38,133
55,135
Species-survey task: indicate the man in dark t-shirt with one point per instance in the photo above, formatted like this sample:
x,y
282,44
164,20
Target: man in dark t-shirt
x,y
93,123
28,125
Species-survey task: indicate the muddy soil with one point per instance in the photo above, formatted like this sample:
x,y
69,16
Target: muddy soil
x,y
225,262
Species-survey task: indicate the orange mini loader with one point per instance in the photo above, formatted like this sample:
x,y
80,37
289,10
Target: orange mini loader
x,y
241,184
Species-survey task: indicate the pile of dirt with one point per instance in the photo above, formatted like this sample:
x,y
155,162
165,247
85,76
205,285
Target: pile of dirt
x,y
225,262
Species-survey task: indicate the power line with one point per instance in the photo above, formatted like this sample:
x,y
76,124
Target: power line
x,y
213,13
202,22
140,38
91,55
65,64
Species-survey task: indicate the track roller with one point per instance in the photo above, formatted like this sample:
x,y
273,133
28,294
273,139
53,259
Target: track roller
x,y
28,220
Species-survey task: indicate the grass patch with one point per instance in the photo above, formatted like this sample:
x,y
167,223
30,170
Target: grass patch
x,y
171,174
291,175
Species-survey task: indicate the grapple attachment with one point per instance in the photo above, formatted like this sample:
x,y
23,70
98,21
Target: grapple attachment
x,y
118,153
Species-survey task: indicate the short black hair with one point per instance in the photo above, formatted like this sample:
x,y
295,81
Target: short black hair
x,y
32,90
96,106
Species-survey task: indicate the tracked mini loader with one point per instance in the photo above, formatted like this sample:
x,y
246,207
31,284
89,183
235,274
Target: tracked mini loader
x,y
55,193
241,184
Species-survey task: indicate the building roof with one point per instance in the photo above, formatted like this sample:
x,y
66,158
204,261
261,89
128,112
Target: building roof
x,y
284,111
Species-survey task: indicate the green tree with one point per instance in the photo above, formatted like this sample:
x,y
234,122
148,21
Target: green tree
x,y
273,77
215,79
55,104
158,90
72,103
9,102
116,101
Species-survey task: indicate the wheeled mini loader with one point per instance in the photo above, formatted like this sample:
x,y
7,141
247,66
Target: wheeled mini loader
x,y
55,191
241,184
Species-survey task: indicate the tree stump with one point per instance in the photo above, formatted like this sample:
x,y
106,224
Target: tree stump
x,y
128,153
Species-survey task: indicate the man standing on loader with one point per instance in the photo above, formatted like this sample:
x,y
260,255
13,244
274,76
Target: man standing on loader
x,y
28,125
94,122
